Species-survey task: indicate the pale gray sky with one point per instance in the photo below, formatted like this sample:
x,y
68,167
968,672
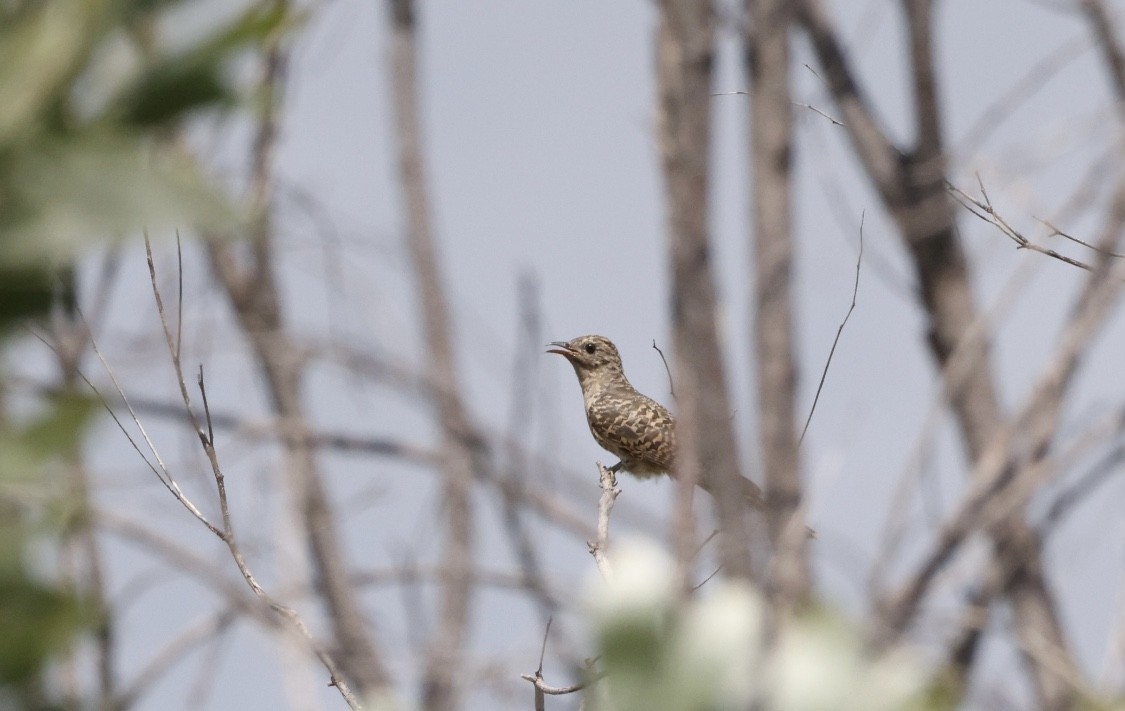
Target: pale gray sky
x,y
539,128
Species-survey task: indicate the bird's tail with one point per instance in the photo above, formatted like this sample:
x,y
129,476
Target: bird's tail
x,y
751,493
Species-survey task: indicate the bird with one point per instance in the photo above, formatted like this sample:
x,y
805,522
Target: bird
x,y
633,427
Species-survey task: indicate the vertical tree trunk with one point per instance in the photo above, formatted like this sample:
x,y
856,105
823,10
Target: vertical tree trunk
x,y
771,152
708,451
444,659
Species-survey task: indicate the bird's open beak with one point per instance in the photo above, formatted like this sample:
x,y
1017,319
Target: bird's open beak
x,y
562,348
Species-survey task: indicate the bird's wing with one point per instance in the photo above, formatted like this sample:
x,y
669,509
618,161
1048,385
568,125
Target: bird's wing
x,y
635,428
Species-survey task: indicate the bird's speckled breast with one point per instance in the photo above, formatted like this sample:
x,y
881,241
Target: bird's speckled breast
x,y
636,428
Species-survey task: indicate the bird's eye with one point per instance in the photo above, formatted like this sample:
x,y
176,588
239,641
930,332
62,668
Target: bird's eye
x,y
590,348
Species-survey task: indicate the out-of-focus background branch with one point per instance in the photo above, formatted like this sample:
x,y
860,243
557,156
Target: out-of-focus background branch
x,y
358,485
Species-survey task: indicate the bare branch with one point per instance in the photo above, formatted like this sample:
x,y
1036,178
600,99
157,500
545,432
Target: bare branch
x,y
996,472
207,440
250,281
542,686
1108,465
767,67
1056,232
985,211
599,546
912,186
1112,53
444,659
160,469
707,451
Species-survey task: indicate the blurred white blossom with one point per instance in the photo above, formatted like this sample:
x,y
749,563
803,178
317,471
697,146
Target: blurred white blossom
x,y
708,653
644,582
718,646
820,665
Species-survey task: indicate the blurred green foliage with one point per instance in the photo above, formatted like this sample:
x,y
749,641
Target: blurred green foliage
x,y
37,618
90,106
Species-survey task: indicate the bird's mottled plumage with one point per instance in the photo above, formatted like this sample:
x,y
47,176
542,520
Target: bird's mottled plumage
x,y
635,428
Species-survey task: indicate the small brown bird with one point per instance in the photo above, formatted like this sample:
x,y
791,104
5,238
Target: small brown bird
x,y
636,428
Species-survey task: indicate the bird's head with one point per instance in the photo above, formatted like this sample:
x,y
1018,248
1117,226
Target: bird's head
x,y
591,356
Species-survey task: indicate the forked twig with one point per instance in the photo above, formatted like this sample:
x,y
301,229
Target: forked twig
x,y
226,534
159,469
984,210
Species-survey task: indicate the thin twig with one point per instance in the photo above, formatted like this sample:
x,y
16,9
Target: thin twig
x,y
158,469
543,649
1101,472
210,441
172,349
179,294
1056,232
839,332
667,370
832,119
815,73
985,211
207,439
167,479
540,701
706,580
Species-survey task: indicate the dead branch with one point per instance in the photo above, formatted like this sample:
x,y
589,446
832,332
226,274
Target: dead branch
x,y
911,185
259,605
983,209
252,290
1107,466
444,658
1113,55
767,68
205,430
997,470
685,59
542,686
600,545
